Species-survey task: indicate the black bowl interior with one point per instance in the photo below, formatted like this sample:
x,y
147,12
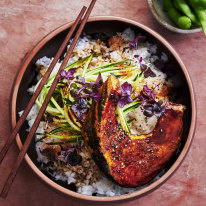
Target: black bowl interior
x,y
109,28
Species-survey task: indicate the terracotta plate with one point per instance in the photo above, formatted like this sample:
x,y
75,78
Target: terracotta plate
x,y
109,25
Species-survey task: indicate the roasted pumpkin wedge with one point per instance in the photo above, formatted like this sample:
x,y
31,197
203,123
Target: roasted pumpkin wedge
x,y
130,160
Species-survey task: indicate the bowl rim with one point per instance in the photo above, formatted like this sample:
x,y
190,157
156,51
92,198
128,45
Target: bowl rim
x,y
124,197
169,26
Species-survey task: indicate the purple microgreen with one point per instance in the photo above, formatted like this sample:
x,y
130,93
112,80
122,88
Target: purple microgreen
x,y
148,110
122,102
149,105
149,73
73,158
89,89
135,94
80,108
69,147
148,92
69,75
134,44
140,60
126,89
96,97
81,79
143,67
153,109
76,94
143,97
163,109
94,94
99,80
63,74
139,38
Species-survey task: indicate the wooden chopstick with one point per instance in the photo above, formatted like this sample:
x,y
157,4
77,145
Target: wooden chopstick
x,y
41,85
23,151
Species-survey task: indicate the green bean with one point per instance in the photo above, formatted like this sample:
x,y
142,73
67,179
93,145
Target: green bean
x,y
184,7
201,14
182,21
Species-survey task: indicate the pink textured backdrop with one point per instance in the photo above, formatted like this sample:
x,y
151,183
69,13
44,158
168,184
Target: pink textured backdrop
x,y
23,23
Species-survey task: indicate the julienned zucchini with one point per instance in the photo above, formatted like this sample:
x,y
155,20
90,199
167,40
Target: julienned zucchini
x,y
122,119
63,111
58,129
107,67
67,116
66,143
131,107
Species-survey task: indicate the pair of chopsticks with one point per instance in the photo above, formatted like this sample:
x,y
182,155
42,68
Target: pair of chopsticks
x,y
19,124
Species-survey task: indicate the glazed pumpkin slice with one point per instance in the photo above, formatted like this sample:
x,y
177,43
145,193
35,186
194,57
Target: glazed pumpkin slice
x,y
130,160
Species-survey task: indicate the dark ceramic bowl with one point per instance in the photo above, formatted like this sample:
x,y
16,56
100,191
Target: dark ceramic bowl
x,y
109,25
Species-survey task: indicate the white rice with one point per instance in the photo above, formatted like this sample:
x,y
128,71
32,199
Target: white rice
x,y
85,47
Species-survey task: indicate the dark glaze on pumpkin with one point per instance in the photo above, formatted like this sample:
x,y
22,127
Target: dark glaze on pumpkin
x,y
130,160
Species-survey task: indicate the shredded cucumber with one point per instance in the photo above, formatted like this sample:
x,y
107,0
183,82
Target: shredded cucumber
x,y
58,106
131,107
122,119
86,65
59,129
67,117
72,137
65,143
107,67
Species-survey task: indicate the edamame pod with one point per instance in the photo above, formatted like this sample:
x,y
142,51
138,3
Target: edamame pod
x,y
201,14
176,6
184,7
182,21
199,3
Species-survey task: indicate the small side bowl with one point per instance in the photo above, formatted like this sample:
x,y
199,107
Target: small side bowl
x,y
156,7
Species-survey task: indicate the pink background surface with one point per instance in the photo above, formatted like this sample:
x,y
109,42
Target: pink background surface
x,y
23,23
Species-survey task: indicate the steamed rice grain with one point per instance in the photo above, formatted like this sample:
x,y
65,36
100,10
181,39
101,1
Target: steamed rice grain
x,y
87,176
